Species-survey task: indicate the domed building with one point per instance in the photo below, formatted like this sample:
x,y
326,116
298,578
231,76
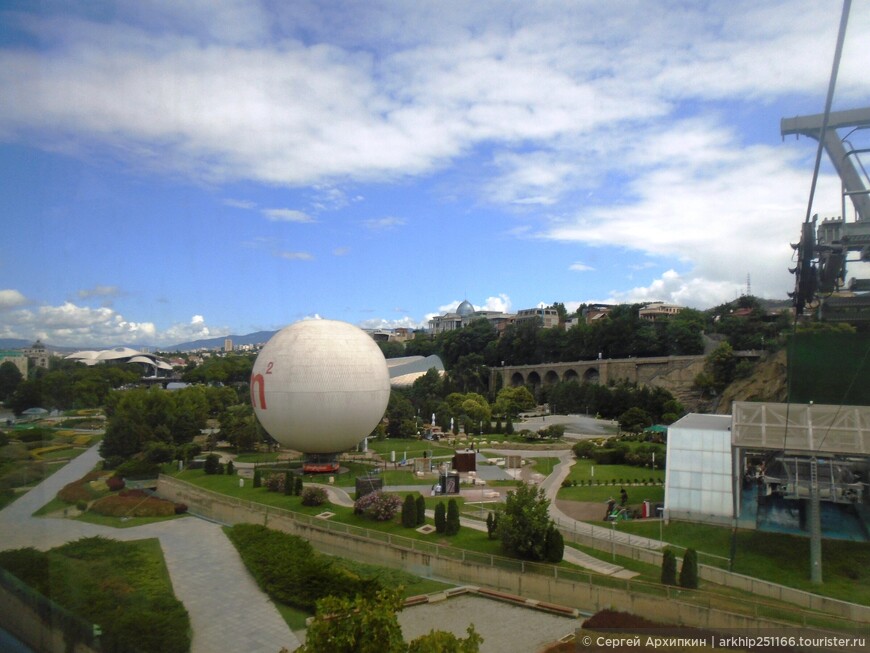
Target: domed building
x,y
465,308
464,314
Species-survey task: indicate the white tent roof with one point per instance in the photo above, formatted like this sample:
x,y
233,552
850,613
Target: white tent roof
x,y
801,428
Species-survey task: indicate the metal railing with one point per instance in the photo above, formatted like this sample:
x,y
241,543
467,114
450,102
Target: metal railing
x,y
754,607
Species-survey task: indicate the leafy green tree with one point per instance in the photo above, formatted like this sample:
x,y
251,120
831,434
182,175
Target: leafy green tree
x,y
451,526
289,484
400,414
683,333
125,436
426,393
358,625
212,465
232,368
240,427
669,567
524,522
440,518
10,377
689,570
159,452
440,641
28,394
721,365
511,401
634,420
392,349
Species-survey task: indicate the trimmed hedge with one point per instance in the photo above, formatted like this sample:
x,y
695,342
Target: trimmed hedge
x,y
289,570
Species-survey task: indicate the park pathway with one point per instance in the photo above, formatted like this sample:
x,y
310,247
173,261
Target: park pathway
x,y
228,612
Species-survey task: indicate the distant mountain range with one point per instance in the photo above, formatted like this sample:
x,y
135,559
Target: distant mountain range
x,y
206,343
260,337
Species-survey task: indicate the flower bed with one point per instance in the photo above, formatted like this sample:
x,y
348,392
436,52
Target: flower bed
x,y
80,490
133,503
37,453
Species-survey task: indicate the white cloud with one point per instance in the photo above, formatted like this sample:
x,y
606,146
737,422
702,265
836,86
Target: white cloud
x,y
106,292
240,204
383,323
700,197
295,256
287,215
11,299
580,267
500,303
671,287
212,93
70,325
385,223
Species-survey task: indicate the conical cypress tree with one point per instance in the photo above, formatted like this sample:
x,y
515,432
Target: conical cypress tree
x,y
440,518
554,545
689,570
669,567
452,526
409,512
421,510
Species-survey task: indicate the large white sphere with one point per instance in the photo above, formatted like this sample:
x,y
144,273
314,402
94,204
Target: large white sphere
x,y
320,386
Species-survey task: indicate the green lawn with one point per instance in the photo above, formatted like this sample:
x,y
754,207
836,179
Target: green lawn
x,y
122,522
847,570
601,493
586,470
544,465
412,446
778,558
257,457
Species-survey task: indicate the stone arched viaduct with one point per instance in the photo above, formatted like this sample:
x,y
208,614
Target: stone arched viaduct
x,y
676,373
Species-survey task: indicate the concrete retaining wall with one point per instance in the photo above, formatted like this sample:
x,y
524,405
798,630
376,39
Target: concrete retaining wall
x,y
359,544
23,621
799,598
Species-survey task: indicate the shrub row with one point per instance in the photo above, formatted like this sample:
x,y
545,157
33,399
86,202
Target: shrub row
x,y
289,570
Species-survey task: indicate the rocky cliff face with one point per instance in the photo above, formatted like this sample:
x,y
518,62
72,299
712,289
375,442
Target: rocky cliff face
x,y
767,383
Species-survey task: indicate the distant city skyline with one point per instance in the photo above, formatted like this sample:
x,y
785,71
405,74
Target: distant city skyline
x,y
179,171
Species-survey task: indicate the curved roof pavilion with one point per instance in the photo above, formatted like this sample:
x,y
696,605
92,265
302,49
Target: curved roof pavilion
x,y
120,355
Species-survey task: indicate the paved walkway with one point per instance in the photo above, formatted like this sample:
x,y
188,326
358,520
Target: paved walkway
x,y
341,497
551,486
207,574
206,571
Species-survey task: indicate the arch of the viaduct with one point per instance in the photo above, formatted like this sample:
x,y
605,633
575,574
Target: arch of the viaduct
x,y
635,370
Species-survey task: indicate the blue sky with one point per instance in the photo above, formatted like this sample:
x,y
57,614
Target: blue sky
x,y
175,170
